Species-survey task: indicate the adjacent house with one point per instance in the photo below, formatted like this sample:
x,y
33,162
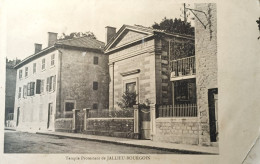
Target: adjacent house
x,y
176,73
68,74
10,83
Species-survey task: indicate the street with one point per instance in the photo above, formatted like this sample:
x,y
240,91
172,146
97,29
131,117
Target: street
x,y
22,142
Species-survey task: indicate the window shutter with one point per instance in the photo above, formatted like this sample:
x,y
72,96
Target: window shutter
x,y
47,84
32,88
54,83
28,89
38,86
42,86
50,83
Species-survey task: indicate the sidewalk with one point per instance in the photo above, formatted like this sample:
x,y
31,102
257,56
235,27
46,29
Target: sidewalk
x,y
192,149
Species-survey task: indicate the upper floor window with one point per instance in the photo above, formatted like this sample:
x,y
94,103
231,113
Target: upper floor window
x,y
26,71
43,64
69,106
95,60
24,91
30,88
34,67
52,59
95,85
20,74
95,106
51,83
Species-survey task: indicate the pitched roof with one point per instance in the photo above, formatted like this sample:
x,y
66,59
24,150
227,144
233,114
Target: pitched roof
x,y
84,42
149,30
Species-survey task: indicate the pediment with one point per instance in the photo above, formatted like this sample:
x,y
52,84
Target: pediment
x,y
128,36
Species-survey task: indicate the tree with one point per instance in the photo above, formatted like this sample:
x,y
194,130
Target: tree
x,y
77,35
176,26
128,100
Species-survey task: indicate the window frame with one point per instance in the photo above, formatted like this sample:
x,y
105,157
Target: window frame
x,y
43,64
19,92
95,87
26,72
20,73
95,60
69,101
52,60
34,68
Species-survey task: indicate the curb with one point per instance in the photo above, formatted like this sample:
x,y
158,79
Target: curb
x,y
130,144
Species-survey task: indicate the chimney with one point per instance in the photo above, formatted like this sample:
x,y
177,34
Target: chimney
x,y
52,38
111,31
37,47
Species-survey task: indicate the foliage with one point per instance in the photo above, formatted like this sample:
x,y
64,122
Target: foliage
x,y
77,35
258,22
145,105
128,100
176,26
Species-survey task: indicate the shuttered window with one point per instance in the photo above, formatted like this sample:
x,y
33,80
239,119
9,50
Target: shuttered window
x,y
24,91
19,92
32,88
28,89
42,86
38,86
47,84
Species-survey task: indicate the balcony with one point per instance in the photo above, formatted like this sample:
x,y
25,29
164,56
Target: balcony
x,y
183,68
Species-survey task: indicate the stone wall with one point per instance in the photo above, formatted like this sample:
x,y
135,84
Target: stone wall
x,y
64,125
206,64
114,127
177,130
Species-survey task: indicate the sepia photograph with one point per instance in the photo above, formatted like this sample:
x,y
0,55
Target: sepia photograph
x,y
112,80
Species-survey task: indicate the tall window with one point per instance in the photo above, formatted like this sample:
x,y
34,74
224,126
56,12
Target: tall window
x,y
52,59
42,86
43,64
26,71
20,74
34,67
95,60
19,92
30,88
95,85
24,91
51,83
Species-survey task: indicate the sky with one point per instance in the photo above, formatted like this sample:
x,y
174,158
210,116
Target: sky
x,y
29,21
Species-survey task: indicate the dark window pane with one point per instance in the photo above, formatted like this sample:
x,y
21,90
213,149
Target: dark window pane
x,y
95,106
69,106
131,87
95,60
95,85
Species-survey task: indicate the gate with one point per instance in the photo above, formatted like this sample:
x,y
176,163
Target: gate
x,y
145,123
79,121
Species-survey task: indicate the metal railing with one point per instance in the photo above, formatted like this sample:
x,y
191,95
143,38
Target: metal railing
x,y
183,67
179,110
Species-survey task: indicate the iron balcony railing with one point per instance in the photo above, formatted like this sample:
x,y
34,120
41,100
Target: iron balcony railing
x,y
183,67
179,110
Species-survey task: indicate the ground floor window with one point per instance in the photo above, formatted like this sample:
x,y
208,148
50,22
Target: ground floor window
x,y
131,87
69,106
185,91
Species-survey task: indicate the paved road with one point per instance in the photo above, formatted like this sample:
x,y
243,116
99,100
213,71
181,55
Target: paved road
x,y
21,142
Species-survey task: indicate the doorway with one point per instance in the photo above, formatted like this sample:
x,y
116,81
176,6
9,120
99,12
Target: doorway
x,y
50,116
213,119
18,116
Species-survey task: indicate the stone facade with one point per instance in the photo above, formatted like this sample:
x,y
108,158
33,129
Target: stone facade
x,y
114,127
177,130
10,83
206,65
64,125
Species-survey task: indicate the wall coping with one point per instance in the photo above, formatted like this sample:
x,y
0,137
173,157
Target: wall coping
x,y
63,119
116,118
174,119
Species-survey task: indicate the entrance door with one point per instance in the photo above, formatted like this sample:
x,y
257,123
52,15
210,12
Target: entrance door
x,y
18,116
212,95
145,123
50,117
